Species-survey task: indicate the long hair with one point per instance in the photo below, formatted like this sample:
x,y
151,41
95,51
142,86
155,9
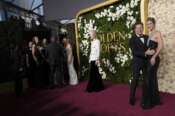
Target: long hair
x,y
152,20
137,23
33,40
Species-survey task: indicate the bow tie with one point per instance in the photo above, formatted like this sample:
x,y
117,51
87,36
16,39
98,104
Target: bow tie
x,y
140,36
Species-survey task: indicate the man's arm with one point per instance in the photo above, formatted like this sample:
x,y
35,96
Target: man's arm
x,y
135,51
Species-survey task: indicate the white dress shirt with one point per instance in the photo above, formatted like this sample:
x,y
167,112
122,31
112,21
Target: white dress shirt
x,y
141,38
95,50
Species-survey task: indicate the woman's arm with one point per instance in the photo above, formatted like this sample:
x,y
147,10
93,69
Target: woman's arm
x,y
160,44
159,48
33,53
69,54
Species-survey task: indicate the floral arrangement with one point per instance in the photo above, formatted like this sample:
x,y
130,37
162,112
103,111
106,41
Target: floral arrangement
x,y
119,17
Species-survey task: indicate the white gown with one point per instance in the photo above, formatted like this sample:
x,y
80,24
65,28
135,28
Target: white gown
x,y
73,79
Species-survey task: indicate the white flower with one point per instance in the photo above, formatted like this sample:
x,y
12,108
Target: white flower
x,y
129,35
97,15
63,30
127,5
113,18
103,75
120,6
128,24
84,46
84,69
111,6
109,19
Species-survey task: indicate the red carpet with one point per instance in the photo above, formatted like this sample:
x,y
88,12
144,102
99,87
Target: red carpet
x,y
74,101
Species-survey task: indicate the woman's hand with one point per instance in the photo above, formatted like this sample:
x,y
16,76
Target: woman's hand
x,y
153,60
150,52
97,62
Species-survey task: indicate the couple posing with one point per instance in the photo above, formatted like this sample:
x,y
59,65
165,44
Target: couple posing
x,y
145,50
58,58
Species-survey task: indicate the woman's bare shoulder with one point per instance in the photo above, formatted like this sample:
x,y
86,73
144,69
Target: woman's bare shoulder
x,y
157,32
69,46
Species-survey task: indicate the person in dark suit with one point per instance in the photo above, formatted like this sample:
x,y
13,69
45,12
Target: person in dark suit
x,y
31,67
138,47
54,55
20,66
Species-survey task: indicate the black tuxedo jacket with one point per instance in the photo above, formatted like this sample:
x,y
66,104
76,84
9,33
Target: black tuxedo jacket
x,y
54,54
138,49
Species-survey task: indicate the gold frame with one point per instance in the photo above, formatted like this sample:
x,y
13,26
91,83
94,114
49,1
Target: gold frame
x,y
143,10
144,13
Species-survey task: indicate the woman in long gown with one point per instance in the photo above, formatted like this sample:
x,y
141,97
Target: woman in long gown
x,y
45,65
95,83
39,61
155,43
73,79
30,65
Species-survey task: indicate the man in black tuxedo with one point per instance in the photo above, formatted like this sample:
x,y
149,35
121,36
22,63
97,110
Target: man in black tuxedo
x,y
138,47
54,55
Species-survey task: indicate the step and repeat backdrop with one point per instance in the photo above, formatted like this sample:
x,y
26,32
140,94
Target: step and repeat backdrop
x,y
113,23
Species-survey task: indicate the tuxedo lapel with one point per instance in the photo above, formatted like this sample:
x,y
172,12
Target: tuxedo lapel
x,y
145,39
139,42
142,42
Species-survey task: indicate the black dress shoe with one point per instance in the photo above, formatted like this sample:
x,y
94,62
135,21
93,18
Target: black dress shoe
x,y
132,101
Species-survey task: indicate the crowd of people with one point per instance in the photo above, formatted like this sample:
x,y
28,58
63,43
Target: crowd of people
x,y
49,64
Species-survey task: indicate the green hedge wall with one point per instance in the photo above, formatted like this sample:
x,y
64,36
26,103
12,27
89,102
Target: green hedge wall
x,y
113,24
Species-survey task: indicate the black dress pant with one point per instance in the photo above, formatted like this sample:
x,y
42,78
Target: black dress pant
x,y
137,76
55,78
95,81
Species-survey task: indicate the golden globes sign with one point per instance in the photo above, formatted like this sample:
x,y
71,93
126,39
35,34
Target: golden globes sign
x,y
109,39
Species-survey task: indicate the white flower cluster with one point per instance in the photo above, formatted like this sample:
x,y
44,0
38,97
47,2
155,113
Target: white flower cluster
x,y
129,35
84,69
130,18
134,3
121,58
114,13
79,22
130,53
63,31
113,16
88,27
102,73
108,65
84,47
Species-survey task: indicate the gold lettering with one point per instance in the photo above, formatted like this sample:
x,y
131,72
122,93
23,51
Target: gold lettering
x,y
111,39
